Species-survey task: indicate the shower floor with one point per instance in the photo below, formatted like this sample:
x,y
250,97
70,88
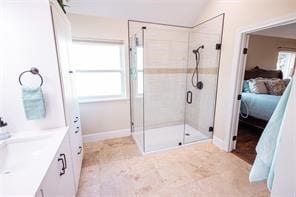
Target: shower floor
x,y
168,137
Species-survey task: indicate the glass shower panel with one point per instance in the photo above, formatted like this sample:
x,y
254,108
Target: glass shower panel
x,y
136,77
200,105
165,65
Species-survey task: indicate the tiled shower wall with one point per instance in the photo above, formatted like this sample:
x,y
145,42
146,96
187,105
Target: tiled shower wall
x,y
165,60
200,114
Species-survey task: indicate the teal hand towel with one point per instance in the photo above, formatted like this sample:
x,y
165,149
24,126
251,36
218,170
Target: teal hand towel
x,y
33,103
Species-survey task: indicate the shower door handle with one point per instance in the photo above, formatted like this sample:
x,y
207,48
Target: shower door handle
x,y
189,97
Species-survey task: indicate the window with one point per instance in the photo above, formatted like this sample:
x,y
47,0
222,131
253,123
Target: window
x,y
140,70
286,63
99,70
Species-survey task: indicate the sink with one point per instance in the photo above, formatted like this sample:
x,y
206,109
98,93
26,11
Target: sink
x,y
17,154
25,159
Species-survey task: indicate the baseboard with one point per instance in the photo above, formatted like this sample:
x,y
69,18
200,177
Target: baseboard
x,y
106,135
219,143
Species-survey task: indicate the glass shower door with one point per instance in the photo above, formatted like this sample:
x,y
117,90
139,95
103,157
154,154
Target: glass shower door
x,y
165,63
137,94
202,79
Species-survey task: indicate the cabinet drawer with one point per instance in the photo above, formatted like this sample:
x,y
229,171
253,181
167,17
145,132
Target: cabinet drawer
x,y
76,148
59,178
77,156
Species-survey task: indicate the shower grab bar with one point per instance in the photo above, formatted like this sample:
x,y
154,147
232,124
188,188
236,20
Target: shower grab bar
x,y
189,97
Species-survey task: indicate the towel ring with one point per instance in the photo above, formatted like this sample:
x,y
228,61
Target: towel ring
x,y
34,71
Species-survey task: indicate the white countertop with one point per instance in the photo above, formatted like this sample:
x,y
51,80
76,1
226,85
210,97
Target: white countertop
x,y
25,172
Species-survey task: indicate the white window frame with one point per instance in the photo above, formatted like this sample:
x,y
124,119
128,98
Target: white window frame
x,y
122,71
291,62
138,94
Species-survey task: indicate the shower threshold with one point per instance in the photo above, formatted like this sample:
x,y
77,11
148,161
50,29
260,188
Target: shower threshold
x,y
169,137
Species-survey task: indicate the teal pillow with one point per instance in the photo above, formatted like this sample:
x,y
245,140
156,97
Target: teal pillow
x,y
246,87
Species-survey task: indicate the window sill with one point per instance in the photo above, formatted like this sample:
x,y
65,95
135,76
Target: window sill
x,y
101,100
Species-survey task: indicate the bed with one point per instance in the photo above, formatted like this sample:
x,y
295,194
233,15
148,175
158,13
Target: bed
x,y
259,106
256,109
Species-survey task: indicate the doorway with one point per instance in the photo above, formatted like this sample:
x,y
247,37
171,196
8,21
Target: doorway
x,y
267,64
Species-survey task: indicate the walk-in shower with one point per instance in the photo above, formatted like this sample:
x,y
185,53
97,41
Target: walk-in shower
x,y
173,75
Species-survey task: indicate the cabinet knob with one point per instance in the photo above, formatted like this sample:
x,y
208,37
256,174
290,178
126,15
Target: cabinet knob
x,y
76,119
71,71
77,130
80,150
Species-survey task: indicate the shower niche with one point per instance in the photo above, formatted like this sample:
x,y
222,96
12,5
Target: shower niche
x,y
173,79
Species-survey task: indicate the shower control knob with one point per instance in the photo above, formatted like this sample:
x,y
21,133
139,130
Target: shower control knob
x,y
199,85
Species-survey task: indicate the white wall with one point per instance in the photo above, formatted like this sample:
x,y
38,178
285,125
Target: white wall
x,y
263,51
108,115
28,41
239,14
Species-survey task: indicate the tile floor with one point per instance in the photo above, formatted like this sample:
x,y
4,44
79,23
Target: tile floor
x,y
115,168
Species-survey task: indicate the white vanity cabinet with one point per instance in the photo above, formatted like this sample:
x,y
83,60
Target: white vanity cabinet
x,y
59,178
45,43
63,39
77,148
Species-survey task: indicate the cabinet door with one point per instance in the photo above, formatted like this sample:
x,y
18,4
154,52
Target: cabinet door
x,y
59,180
75,130
77,148
63,39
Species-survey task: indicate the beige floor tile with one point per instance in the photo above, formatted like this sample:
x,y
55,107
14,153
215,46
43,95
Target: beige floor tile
x,y
91,159
119,185
141,165
217,186
93,146
190,189
89,176
144,184
116,168
89,191
239,179
173,173
109,155
119,142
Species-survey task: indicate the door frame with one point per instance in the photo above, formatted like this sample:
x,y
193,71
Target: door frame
x,y
240,60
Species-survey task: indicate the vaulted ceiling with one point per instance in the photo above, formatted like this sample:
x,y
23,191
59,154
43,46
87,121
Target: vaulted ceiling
x,y
177,12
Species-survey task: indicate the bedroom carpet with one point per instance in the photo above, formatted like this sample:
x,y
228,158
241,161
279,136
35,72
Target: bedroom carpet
x,y
115,168
247,140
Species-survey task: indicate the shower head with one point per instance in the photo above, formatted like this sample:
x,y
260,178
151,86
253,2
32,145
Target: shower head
x,y
197,50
